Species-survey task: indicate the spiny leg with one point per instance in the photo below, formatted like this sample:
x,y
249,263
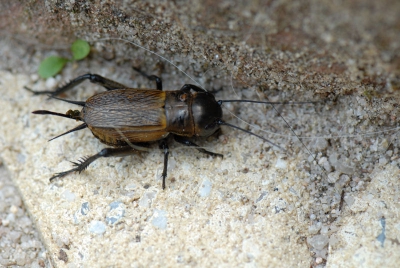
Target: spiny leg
x,y
185,141
94,78
164,146
84,162
150,77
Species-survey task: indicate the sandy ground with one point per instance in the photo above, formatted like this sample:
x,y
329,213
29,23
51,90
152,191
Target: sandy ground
x,y
254,206
330,199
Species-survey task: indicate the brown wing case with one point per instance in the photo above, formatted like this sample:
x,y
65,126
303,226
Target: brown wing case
x,y
134,115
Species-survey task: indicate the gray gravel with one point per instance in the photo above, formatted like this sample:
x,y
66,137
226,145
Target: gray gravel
x,y
20,243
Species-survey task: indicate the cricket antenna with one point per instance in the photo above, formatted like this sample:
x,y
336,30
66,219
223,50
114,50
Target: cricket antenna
x,y
269,102
223,123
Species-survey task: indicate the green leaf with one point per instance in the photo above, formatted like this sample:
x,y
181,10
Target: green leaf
x,y
51,66
80,49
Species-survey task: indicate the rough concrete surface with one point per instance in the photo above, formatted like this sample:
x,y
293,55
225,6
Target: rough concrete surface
x,y
331,198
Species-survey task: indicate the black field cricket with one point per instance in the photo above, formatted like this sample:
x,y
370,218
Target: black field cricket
x,y
128,119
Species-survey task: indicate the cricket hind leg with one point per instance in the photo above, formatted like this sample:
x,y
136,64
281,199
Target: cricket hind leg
x,y
93,78
84,162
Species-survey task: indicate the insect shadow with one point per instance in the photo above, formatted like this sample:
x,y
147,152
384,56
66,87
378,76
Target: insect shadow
x,y
129,119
